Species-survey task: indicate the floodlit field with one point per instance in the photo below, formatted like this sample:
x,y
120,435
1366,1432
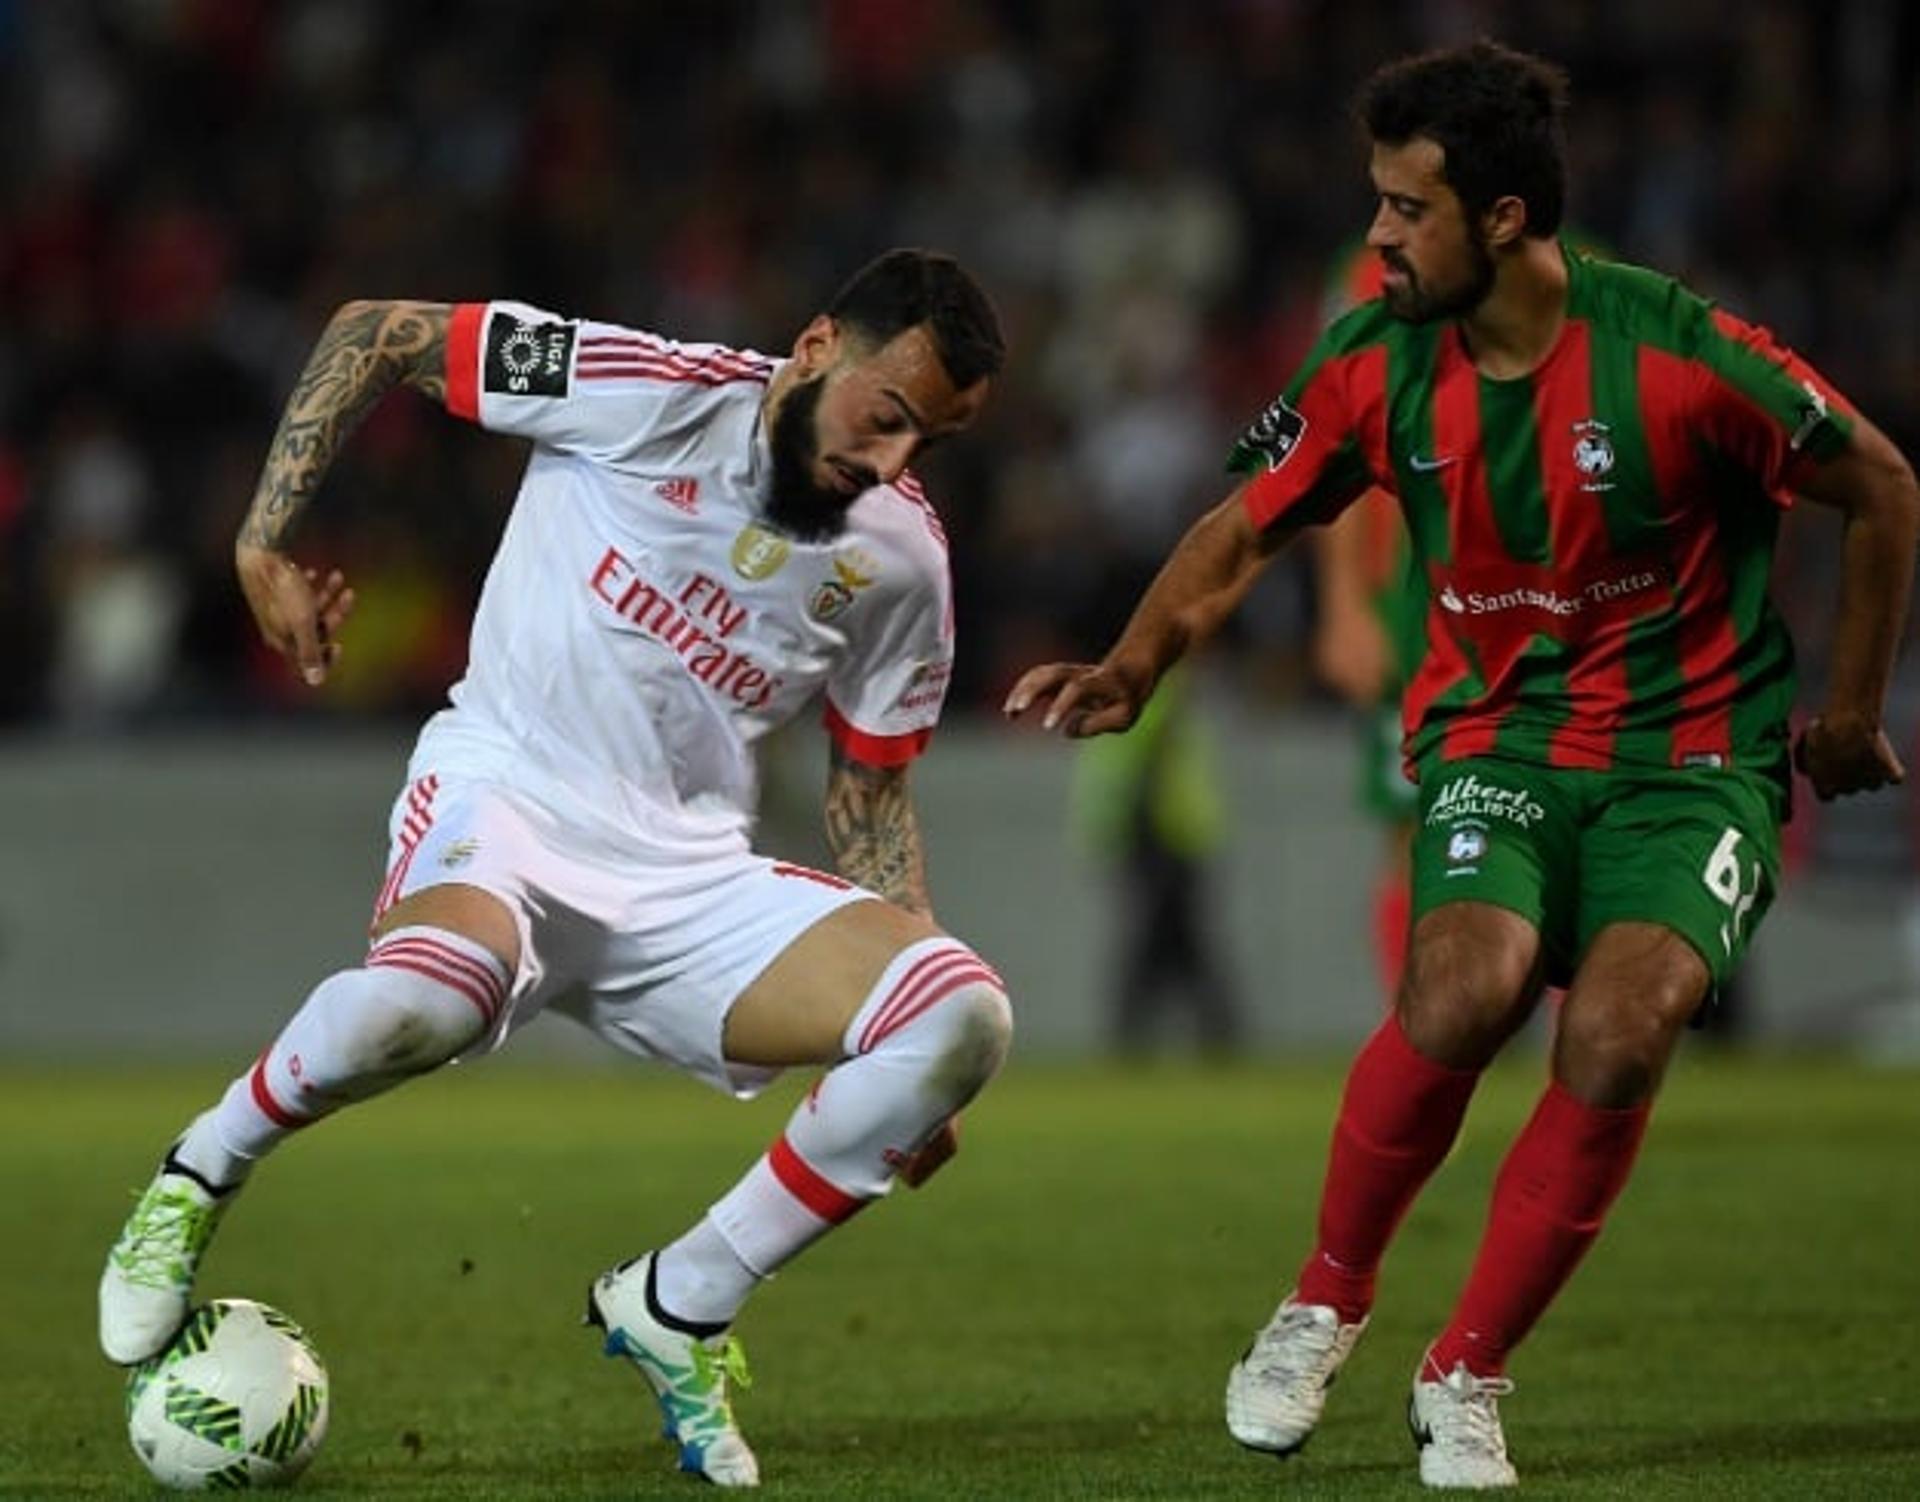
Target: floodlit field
x,y
1052,1318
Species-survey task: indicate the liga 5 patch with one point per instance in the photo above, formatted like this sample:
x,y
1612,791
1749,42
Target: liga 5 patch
x,y
1270,442
527,359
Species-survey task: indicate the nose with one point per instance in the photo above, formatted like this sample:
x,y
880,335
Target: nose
x,y
891,455
1380,233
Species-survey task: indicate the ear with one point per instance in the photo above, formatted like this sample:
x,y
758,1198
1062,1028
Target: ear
x,y
817,347
1505,221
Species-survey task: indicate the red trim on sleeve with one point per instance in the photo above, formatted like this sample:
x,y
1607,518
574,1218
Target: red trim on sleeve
x,y
800,1179
874,750
463,359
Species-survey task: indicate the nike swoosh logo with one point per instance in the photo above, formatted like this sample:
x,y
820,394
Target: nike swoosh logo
x,y
1427,466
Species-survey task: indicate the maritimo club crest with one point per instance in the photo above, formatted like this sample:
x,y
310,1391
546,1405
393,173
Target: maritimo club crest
x,y
1592,448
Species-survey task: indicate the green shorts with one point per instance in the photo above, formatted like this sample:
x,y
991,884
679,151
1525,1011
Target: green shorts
x,y
1695,850
1386,791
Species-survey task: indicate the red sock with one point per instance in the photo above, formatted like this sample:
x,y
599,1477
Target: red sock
x,y
1564,1170
1398,1118
1392,915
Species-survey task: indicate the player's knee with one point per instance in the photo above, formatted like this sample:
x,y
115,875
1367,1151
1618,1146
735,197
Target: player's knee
x,y
1460,999
957,1044
981,1032
1614,1054
1469,960
392,1021
427,1027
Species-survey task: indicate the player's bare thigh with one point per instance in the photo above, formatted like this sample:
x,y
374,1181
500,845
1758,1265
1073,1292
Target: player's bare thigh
x,y
798,1009
1636,990
1473,975
469,911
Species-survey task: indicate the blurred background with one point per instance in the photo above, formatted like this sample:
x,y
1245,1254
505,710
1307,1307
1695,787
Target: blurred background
x,y
1157,194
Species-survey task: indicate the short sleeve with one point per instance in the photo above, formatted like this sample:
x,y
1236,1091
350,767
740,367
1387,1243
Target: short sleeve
x,y
1303,451
884,696
1764,407
572,384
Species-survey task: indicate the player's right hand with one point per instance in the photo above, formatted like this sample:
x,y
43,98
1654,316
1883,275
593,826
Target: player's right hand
x,y
299,614
1846,753
1085,698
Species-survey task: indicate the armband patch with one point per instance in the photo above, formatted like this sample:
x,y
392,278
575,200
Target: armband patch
x,y
528,359
1270,442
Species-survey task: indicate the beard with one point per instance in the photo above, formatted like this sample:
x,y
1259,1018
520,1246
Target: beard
x,y
1415,303
796,505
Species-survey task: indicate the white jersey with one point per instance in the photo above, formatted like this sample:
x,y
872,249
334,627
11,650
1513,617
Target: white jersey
x,y
639,628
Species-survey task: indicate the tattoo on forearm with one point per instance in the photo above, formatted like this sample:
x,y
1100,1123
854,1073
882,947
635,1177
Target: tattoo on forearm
x,y
368,348
874,834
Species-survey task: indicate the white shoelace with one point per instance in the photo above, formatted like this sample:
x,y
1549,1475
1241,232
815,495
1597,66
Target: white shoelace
x,y
1474,1409
1282,1351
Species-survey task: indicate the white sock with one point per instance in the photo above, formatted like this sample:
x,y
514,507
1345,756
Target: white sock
x,y
422,996
933,1031
700,1279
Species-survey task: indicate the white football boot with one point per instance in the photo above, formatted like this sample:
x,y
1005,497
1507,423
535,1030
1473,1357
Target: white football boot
x,y
1276,1391
1456,1424
688,1374
147,1287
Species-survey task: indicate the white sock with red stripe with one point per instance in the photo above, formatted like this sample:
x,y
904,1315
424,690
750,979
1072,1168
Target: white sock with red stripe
x,y
932,1032
421,996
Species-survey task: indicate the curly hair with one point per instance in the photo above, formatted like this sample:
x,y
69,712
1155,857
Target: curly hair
x,y
1497,115
903,289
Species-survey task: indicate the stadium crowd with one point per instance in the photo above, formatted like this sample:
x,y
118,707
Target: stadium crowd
x,y
1153,191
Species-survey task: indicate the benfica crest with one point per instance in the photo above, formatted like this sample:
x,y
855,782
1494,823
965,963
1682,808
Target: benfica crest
x,y
853,571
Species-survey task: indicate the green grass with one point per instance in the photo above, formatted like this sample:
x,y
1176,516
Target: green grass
x,y
1053,1318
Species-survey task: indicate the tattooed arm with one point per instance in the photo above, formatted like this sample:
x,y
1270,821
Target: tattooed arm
x,y
367,348
873,832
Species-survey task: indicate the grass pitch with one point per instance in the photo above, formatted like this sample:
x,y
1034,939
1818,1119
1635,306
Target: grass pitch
x,y
1053,1317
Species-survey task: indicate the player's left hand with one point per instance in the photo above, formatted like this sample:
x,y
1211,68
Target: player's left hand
x,y
1846,753
1084,698
932,1155
298,612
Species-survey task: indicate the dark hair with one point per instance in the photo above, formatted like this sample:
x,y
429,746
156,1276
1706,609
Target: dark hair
x,y
906,288
1496,113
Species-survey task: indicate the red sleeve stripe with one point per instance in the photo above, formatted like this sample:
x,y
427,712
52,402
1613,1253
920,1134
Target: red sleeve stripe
x,y
667,377
623,354
634,370
870,749
463,359
909,489
611,356
800,1179
635,342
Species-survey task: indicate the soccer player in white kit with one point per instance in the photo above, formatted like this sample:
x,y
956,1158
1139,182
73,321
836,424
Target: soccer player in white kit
x,y
705,540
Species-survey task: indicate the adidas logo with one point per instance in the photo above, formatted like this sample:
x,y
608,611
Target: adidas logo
x,y
682,492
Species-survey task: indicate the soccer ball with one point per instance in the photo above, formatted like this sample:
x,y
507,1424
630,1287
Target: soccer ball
x,y
239,1399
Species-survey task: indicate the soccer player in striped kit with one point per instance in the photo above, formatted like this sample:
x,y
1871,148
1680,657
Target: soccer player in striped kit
x,y
704,542
1591,462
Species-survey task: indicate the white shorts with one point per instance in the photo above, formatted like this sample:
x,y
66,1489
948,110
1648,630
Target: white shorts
x,y
648,950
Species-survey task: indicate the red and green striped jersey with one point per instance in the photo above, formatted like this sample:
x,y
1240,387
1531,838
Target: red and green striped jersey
x,y
1594,537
